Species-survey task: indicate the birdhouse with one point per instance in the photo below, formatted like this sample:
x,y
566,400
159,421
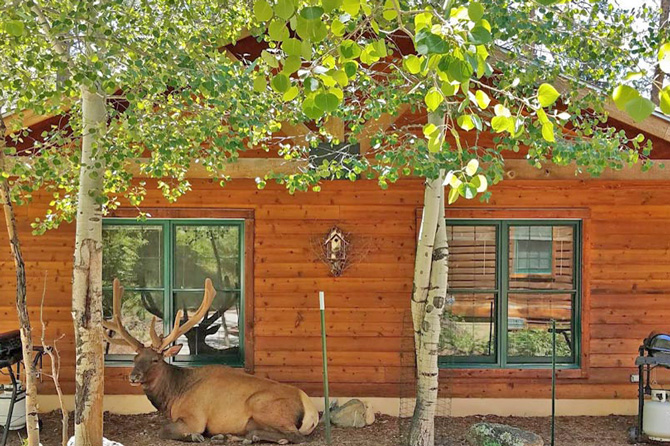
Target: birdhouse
x,y
335,247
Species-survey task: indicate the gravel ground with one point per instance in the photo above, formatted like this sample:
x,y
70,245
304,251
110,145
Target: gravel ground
x,y
141,430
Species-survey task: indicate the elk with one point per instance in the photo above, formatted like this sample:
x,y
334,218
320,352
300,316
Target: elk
x,y
213,400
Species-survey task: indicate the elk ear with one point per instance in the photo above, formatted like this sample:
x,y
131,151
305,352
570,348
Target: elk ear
x,y
172,351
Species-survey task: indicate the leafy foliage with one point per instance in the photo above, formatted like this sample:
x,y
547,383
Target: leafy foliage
x,y
174,97
546,67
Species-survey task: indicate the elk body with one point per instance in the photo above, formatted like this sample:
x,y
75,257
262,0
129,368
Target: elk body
x,y
213,400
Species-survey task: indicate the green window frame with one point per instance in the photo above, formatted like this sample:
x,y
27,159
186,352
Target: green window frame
x,y
505,271
169,244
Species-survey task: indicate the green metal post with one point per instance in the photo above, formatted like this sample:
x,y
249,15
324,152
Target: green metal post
x,y
326,400
553,381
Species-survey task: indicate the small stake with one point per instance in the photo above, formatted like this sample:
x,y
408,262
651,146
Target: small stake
x,y
553,381
326,400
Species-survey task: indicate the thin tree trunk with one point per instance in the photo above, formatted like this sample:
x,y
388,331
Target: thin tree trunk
x,y
87,277
423,431
428,298
32,425
659,75
54,356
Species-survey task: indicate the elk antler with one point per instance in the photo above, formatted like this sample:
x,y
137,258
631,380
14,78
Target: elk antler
x,y
116,324
179,329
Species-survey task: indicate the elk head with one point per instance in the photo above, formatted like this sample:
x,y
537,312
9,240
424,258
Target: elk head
x,y
148,358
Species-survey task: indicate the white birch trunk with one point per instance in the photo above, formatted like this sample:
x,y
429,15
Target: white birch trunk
x,y
87,277
32,423
423,421
430,276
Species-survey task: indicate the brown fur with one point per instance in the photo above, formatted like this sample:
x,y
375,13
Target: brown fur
x,y
222,400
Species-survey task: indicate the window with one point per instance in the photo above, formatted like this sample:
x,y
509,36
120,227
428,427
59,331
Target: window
x,y
163,265
508,280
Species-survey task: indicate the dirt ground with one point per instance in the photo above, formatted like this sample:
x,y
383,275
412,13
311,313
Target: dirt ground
x,y
141,430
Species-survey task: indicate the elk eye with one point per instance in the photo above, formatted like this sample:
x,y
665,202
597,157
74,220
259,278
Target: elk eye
x,y
154,360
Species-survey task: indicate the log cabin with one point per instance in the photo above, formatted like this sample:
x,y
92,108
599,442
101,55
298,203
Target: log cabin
x,y
593,254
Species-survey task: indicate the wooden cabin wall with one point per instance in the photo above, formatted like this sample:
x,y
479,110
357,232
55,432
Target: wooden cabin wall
x,y
626,283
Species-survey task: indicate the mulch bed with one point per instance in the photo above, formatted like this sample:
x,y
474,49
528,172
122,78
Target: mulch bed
x,y
141,430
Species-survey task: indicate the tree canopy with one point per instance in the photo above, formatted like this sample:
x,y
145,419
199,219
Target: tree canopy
x,y
535,74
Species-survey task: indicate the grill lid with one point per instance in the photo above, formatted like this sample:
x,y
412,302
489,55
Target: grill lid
x,y
657,343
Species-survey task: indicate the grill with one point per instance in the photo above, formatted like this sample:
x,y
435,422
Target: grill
x,y
11,355
653,412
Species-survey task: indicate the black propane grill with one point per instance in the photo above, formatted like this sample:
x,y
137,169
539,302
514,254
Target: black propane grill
x,y
11,355
654,352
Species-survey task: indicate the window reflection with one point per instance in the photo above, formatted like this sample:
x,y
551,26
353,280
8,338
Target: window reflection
x,y
472,257
529,324
468,326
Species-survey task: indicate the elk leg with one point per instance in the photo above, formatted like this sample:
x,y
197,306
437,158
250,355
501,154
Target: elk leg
x,y
179,431
274,437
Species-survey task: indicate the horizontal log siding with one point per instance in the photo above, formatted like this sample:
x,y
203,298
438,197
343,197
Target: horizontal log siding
x,y
626,283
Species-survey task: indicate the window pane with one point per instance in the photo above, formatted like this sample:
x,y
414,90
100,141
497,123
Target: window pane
x,y
218,333
134,255
529,324
207,252
541,257
468,326
137,311
472,257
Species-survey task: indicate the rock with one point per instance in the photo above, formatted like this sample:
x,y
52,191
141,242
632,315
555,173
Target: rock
x,y
354,413
105,442
492,434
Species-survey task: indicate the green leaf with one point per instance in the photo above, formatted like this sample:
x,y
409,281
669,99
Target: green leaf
x,y
640,108
483,183
262,10
482,99
448,89
453,195
292,47
412,64
664,100
480,35
15,28
459,70
314,30
471,167
349,49
351,7
329,5
429,129
429,43
624,94
475,11
664,57
351,68
269,59
277,30
500,124
433,99
390,12
291,94
291,64
285,9
280,83
547,95
312,12
337,27
260,83
310,109
327,102
542,116
466,123
548,132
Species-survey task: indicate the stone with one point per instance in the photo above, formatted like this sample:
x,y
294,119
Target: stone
x,y
492,434
105,442
354,413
